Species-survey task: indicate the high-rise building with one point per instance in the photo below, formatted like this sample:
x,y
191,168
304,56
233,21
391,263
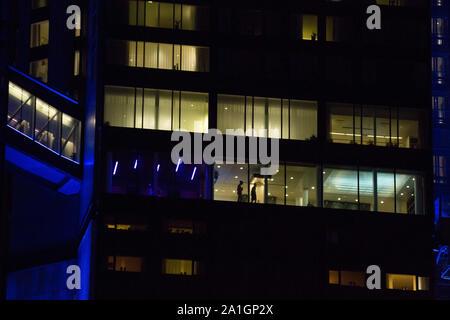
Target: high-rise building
x,y
92,183
441,145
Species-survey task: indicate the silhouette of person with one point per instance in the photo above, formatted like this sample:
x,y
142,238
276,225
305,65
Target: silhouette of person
x,y
254,194
239,191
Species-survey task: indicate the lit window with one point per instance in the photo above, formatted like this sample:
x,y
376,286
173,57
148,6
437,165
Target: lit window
x,y
39,70
401,282
279,118
347,278
159,55
125,264
156,109
36,4
180,267
76,67
43,123
168,15
309,27
39,34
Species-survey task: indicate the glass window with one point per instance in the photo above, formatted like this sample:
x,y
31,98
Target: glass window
x,y
231,182
151,55
309,27
157,109
195,17
276,187
423,283
409,128
47,126
165,56
338,28
119,106
366,190
71,138
409,193
194,111
368,126
125,264
340,123
195,58
180,267
36,4
21,110
39,70
301,186
230,112
76,63
303,119
401,282
353,279
385,191
39,34
340,188
333,277
383,126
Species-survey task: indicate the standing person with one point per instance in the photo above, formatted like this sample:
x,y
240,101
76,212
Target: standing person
x,y
239,191
254,194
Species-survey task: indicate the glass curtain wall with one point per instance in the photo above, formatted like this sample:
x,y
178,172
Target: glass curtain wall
x,y
156,109
155,55
375,125
168,15
268,117
43,123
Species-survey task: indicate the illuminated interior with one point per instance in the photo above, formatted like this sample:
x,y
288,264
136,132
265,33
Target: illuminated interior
x,y
167,15
347,278
156,109
180,267
43,123
292,185
125,264
39,34
39,69
279,118
381,126
400,193
160,56
407,282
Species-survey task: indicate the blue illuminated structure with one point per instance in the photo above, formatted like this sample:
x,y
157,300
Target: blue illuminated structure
x,y
43,85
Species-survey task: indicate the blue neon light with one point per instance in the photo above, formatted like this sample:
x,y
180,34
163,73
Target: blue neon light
x,y
115,168
178,165
135,164
34,166
70,188
157,169
193,173
43,85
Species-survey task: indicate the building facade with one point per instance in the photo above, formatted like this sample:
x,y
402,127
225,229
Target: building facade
x,y
348,105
